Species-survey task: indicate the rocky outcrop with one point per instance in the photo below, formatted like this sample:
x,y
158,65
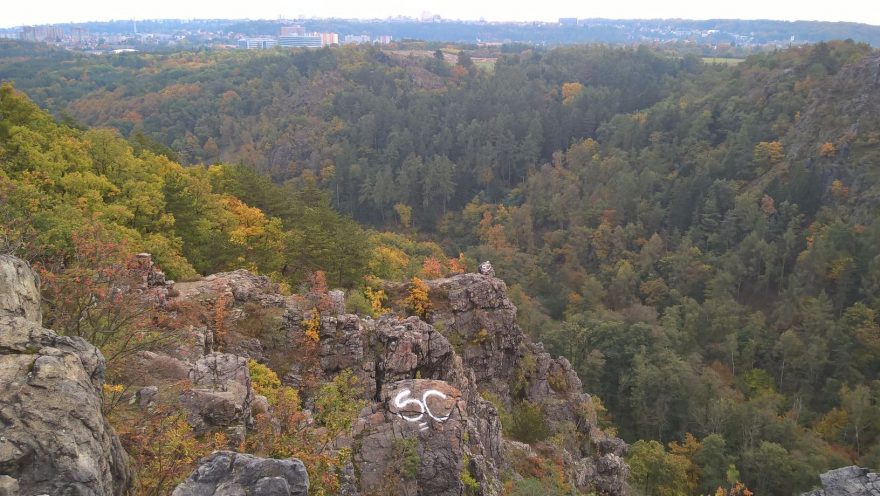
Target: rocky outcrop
x,y
843,111
840,111
214,388
607,474
848,481
153,280
474,311
221,395
239,286
388,354
427,427
413,441
471,345
53,436
225,473
480,320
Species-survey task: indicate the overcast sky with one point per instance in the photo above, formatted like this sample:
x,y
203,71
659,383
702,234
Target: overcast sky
x,y
20,12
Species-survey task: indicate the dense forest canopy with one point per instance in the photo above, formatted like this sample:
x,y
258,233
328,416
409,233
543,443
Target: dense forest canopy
x,y
699,240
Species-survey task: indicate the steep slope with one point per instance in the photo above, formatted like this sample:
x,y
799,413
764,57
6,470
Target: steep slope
x,y
837,136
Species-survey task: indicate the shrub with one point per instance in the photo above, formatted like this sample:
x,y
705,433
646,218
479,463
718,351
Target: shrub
x,y
431,268
376,297
406,458
338,404
416,300
163,448
312,326
264,381
503,413
528,424
357,302
287,434
471,486
557,380
529,487
259,322
97,295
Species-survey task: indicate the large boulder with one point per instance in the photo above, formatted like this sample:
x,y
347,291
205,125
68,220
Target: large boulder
x,y
607,475
386,350
404,349
239,286
243,314
848,481
226,473
54,438
389,355
474,310
221,395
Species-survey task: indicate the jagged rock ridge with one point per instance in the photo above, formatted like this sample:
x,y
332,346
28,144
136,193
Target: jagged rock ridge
x,y
425,382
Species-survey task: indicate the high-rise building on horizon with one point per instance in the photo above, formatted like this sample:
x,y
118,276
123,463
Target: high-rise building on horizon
x,y
42,33
295,30
312,40
356,39
328,39
257,43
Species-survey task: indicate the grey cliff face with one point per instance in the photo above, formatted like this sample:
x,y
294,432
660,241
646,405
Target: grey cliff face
x,y
53,436
437,432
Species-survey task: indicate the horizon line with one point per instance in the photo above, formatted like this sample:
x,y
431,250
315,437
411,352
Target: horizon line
x,y
441,19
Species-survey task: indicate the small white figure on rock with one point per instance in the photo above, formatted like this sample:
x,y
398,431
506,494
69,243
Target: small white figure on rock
x,y
486,269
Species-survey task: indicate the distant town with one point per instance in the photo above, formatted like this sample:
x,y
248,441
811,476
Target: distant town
x,y
82,38
726,36
297,37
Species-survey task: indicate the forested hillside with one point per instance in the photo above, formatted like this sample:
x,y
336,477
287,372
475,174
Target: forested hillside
x,y
699,240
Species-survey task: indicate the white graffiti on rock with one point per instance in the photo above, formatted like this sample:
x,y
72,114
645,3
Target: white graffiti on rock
x,y
422,404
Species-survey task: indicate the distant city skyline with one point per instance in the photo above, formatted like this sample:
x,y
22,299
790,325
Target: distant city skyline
x,y
57,11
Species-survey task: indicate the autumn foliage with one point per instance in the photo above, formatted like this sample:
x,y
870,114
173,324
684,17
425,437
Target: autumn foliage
x,y
416,300
100,293
163,447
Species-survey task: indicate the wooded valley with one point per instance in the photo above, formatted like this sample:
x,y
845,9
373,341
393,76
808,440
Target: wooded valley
x,y
700,240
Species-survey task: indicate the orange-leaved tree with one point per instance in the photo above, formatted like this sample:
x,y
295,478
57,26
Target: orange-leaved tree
x,y
416,300
99,292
